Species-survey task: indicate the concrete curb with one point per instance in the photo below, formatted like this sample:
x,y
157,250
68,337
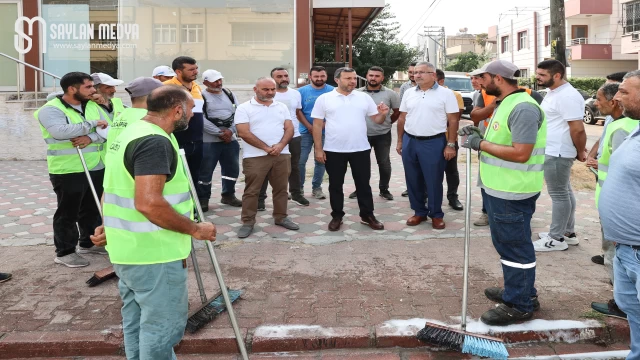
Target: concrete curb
x,y
269,339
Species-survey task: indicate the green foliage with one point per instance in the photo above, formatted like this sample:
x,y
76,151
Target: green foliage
x,y
587,84
481,39
378,45
590,84
466,62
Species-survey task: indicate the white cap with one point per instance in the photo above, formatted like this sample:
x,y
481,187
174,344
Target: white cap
x,y
102,78
212,75
163,70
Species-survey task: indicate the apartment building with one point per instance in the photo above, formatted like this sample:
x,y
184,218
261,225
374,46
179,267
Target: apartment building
x,y
244,39
594,34
630,43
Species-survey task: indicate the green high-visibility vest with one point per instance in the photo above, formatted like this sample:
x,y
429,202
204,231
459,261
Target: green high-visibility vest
x,y
625,124
118,107
507,176
121,121
62,156
131,238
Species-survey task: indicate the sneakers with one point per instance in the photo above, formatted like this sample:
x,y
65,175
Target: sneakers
x,y
288,224
609,309
503,315
570,239
353,195
549,244
245,231
230,200
495,294
318,194
598,259
261,205
405,193
299,199
5,277
72,260
385,194
98,250
483,220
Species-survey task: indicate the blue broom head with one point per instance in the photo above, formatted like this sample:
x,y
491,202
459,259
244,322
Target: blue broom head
x,y
218,303
484,347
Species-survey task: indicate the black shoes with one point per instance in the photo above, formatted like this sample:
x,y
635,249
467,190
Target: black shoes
x,y
335,223
609,309
353,195
204,204
455,204
231,200
261,205
405,193
503,315
495,294
598,259
5,277
385,194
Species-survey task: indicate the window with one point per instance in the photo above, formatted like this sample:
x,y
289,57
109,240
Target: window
x,y
192,33
524,73
165,33
505,44
631,17
522,40
579,33
547,35
259,34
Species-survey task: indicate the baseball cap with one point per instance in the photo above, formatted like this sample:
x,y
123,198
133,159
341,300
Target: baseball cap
x,y
102,78
503,68
163,70
211,75
142,86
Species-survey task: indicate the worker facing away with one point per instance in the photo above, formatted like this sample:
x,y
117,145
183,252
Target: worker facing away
x,y
148,225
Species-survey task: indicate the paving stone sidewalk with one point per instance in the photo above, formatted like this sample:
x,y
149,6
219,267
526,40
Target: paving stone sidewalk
x,y
355,277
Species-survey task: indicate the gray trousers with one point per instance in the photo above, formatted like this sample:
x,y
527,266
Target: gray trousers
x,y
557,173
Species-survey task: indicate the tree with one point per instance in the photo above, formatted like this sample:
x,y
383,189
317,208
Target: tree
x,y
466,62
481,39
378,45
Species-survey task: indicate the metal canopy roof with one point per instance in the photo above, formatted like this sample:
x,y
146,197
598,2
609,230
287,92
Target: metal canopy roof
x,y
328,23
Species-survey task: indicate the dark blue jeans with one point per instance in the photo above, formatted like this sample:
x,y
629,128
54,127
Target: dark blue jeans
x,y
193,153
424,165
510,225
228,154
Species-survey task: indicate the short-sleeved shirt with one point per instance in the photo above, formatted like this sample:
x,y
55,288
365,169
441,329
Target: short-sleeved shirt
x,y
265,122
391,99
524,122
292,99
404,87
562,105
308,95
345,120
151,155
427,110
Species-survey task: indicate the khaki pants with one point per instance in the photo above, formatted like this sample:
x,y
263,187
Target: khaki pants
x,y
255,170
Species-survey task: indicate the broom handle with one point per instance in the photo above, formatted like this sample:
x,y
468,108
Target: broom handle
x,y
467,236
196,270
214,261
86,172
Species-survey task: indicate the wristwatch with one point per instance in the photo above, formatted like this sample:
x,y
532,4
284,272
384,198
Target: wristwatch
x,y
451,145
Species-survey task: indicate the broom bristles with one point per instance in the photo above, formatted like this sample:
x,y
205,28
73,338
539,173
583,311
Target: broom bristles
x,y
467,343
208,311
101,276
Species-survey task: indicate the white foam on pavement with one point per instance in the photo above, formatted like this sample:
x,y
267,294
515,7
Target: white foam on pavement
x,y
604,355
285,331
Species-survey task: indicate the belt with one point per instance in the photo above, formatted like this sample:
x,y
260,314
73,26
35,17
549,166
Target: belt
x,y
425,137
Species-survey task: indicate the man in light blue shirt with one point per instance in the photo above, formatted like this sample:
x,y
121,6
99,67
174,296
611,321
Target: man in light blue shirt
x,y
309,94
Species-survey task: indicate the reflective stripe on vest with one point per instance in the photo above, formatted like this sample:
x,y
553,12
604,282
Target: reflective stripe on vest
x,y
623,124
506,176
133,238
62,156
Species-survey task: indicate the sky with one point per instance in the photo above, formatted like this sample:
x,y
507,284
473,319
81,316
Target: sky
x,y
475,15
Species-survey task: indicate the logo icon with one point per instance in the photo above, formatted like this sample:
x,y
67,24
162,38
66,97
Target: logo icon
x,y
496,126
27,37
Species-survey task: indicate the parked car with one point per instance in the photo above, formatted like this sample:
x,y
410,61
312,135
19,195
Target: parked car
x,y
591,112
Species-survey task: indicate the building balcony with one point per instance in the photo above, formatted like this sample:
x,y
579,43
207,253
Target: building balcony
x,y
581,49
587,8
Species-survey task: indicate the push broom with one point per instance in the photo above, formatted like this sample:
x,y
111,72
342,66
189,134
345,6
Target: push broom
x,y
460,339
107,273
203,314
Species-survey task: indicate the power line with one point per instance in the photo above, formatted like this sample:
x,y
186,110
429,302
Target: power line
x,y
416,23
425,19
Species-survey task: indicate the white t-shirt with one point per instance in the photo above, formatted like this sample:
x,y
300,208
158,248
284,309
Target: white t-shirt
x,y
345,120
265,122
293,100
427,110
562,105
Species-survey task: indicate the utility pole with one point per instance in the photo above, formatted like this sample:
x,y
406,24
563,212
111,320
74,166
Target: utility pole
x,y
438,36
558,30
